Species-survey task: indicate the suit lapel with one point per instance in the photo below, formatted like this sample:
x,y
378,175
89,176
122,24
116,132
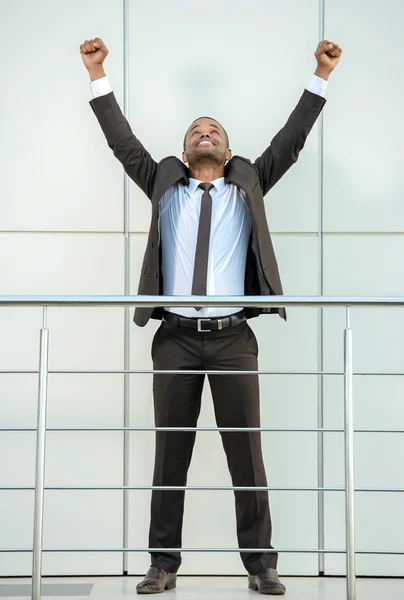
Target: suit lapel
x,y
241,172
169,172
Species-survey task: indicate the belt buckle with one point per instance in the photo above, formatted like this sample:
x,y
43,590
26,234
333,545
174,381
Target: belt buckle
x,y
199,323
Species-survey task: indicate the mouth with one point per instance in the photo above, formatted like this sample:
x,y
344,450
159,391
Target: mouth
x,y
204,143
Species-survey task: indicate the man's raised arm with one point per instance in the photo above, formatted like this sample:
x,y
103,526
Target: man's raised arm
x,y
286,145
137,162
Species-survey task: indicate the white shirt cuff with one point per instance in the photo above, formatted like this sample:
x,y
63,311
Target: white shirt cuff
x,y
100,87
317,85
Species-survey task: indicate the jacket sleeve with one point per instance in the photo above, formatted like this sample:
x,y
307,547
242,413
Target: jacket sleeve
x,y
137,162
286,145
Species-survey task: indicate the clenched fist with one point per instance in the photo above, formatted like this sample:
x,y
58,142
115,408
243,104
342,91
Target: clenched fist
x,y
94,52
327,55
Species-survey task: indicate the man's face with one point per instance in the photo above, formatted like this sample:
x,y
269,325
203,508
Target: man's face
x,y
206,142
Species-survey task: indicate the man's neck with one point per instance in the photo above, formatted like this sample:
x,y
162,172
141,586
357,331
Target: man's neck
x,y
206,172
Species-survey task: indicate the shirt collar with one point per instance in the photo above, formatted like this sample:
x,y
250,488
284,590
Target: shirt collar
x,y
219,184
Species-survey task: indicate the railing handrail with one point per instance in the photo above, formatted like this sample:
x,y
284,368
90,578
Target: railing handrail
x,y
204,301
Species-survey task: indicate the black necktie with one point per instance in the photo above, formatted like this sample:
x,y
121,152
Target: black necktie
x,y
202,243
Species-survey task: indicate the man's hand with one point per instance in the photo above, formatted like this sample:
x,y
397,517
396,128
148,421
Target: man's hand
x,y
327,56
94,52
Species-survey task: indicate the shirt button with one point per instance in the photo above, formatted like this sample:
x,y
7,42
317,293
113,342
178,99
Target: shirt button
x,y
156,275
152,244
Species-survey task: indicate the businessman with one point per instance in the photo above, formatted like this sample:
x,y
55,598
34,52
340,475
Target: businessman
x,y
208,236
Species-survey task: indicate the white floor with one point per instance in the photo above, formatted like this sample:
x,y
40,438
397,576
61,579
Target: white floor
x,y
204,588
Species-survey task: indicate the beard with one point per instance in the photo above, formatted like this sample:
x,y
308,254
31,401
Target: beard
x,y
207,156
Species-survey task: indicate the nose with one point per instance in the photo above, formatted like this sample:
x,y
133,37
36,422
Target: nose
x,y
204,136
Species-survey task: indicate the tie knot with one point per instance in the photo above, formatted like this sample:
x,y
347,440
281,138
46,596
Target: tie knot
x,y
206,186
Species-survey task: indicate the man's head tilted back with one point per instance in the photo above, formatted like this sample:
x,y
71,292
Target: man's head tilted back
x,y
206,142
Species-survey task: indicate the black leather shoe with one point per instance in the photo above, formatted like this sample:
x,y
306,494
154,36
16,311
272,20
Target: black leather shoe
x,y
266,582
157,581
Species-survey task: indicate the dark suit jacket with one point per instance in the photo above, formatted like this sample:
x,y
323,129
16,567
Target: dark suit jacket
x,y
256,179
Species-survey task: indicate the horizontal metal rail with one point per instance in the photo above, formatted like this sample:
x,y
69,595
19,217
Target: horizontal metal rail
x,y
197,429
182,429
250,550
177,488
187,372
203,301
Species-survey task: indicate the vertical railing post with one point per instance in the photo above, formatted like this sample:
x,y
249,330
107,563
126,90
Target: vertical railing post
x,y
127,317
40,461
320,330
349,461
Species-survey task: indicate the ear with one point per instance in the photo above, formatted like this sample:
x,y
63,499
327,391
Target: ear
x,y
228,154
184,157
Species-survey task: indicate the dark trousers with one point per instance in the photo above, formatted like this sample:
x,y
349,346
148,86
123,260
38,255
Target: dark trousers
x,y
177,401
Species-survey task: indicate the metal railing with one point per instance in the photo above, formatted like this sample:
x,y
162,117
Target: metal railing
x,y
176,301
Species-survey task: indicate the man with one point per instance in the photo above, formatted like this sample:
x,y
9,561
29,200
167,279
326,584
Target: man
x,y
208,236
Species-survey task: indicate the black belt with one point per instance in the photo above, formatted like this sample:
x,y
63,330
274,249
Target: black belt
x,y
204,325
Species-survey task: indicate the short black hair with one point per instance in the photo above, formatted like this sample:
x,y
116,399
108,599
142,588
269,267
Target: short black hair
x,y
212,119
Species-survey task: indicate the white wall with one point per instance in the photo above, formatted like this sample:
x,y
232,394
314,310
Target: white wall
x,y
61,194
363,250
